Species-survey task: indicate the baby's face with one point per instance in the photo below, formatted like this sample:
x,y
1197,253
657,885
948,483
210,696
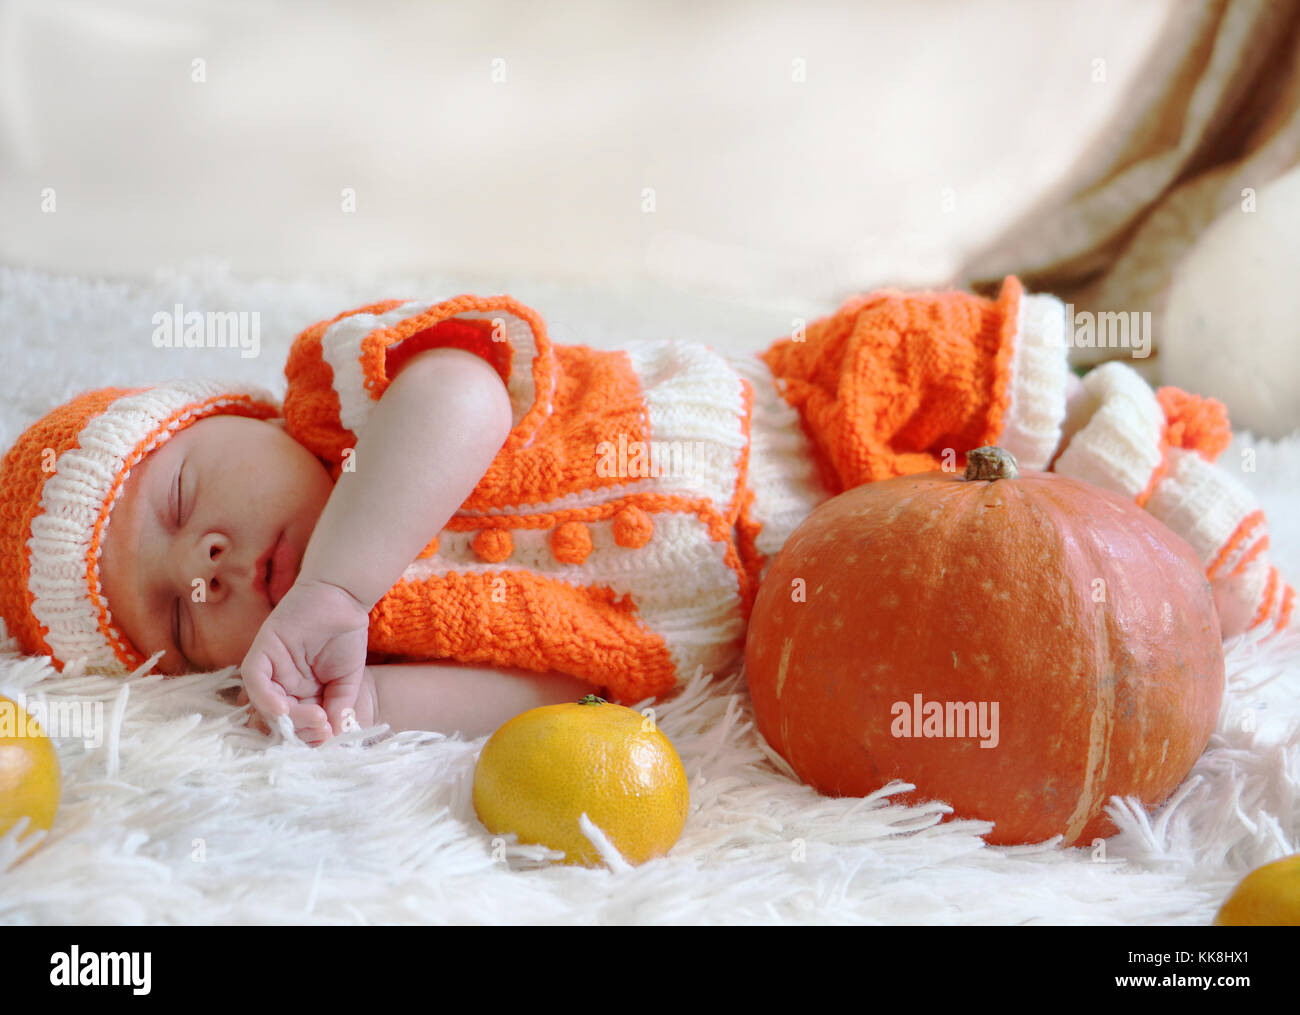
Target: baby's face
x,y
186,553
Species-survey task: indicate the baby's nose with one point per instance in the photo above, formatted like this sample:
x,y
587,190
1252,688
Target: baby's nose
x,y
214,566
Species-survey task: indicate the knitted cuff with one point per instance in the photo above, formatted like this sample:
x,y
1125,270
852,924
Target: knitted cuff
x,y
1038,378
1255,597
358,345
1222,521
1130,446
1120,447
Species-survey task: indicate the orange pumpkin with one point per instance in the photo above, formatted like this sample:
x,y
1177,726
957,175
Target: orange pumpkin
x,y
1021,646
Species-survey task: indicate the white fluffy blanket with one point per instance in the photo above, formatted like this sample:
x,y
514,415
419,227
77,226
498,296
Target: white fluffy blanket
x,y
181,815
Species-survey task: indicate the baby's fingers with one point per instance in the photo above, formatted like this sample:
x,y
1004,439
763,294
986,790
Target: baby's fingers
x,y
259,671
340,697
310,723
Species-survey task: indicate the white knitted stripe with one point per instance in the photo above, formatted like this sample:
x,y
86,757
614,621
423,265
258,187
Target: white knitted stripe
x,y
782,470
688,389
1119,447
74,495
341,349
1254,534
1238,598
1038,375
521,385
679,581
1204,504
694,400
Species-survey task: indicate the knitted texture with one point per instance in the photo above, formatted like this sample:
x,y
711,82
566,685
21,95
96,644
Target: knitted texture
x,y
605,539
897,383
891,381
1158,448
1195,423
621,532
58,485
631,577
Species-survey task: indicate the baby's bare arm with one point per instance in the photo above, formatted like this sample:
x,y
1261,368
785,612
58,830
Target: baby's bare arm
x,y
428,442
448,697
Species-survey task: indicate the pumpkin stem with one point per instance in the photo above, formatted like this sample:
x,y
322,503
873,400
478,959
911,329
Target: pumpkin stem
x,y
991,463
591,699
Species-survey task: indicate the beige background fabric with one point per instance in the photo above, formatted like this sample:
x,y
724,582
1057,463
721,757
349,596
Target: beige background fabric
x,y
760,155
1212,117
796,151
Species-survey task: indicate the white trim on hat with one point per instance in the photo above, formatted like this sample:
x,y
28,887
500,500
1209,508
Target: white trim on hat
x,y
75,496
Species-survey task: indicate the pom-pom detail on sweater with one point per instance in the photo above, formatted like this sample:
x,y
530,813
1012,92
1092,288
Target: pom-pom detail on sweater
x,y
571,542
493,545
1195,423
632,527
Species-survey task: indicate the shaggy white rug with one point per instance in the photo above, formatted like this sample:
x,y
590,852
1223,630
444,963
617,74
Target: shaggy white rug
x,y
182,815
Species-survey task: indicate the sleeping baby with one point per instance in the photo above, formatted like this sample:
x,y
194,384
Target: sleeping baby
x,y
450,519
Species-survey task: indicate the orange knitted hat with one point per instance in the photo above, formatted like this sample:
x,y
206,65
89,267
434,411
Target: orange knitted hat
x,y
58,484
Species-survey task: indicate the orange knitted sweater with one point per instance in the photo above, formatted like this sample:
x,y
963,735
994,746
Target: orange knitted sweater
x,y
621,531
606,540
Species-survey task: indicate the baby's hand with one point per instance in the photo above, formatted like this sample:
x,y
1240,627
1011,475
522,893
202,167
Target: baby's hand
x,y
308,718
309,654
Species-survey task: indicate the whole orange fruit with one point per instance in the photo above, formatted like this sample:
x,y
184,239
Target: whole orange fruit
x,y
30,784
545,767
1268,896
